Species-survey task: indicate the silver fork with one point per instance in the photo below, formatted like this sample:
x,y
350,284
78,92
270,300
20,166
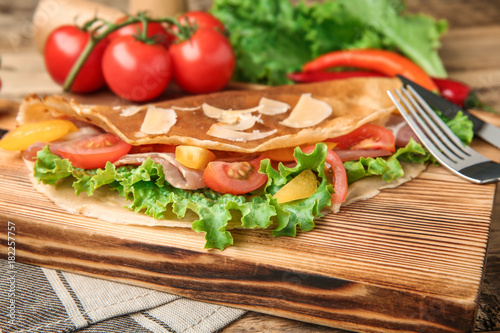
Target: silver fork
x,y
441,142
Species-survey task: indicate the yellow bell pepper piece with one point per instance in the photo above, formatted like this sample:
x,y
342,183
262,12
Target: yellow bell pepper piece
x,y
302,186
27,134
193,157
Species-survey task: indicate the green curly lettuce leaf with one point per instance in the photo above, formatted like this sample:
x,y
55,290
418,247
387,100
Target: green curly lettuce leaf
x,y
300,213
388,168
460,125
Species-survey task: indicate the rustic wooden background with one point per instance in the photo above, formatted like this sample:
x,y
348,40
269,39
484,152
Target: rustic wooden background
x,y
471,52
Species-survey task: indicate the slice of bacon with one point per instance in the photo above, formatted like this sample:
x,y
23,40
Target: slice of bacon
x,y
176,174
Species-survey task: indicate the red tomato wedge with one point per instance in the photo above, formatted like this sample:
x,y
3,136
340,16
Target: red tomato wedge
x,y
94,152
339,174
234,177
368,140
368,136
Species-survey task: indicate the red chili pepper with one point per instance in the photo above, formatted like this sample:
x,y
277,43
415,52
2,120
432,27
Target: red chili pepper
x,y
385,62
318,76
461,94
454,91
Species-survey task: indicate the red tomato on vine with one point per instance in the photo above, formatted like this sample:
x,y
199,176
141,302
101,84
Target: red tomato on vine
x,y
135,70
204,63
62,49
202,20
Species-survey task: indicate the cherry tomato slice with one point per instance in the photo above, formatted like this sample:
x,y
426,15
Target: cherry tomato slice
x,y
339,174
234,177
94,152
368,136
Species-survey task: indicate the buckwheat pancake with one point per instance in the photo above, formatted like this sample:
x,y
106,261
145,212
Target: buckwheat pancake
x,y
354,102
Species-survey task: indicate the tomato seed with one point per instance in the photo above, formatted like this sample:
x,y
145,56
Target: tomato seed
x,y
240,170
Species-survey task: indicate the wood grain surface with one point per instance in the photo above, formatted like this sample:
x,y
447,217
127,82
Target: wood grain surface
x,y
403,261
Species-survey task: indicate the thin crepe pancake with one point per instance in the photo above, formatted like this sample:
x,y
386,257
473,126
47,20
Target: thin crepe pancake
x,y
354,102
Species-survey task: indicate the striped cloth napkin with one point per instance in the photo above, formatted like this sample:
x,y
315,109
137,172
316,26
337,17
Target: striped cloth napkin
x,y
36,299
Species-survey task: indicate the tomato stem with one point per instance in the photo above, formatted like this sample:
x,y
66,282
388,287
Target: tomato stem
x,y
109,28
144,34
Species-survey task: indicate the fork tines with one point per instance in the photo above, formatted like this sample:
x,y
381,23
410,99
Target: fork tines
x,y
439,140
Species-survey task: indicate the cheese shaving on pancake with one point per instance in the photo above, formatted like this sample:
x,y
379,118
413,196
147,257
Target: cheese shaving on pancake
x,y
158,120
128,111
272,107
308,112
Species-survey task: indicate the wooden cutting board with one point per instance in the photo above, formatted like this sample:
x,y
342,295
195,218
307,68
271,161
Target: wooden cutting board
x,y
410,259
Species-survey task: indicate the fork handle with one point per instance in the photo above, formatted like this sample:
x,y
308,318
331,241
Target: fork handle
x,y
483,173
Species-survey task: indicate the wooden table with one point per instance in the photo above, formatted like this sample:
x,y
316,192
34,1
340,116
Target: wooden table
x,y
470,52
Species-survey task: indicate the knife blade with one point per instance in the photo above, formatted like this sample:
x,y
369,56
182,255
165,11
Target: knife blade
x,y
485,131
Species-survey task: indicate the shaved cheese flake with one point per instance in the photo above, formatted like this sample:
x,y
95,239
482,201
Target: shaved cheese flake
x,y
244,121
240,121
158,120
211,111
229,116
223,132
130,111
181,108
308,112
271,107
